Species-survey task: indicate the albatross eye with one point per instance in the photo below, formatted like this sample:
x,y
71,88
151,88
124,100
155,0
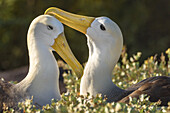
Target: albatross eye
x,y
49,27
102,27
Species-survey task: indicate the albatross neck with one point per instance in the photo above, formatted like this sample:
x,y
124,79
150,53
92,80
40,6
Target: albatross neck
x,y
98,70
42,80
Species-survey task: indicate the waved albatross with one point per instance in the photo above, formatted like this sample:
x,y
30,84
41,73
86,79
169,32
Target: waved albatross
x,y
45,34
105,41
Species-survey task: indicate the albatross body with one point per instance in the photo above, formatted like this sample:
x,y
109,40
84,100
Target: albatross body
x,y
105,41
45,34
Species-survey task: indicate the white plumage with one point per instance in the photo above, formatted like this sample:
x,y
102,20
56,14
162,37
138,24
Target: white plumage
x,y
45,34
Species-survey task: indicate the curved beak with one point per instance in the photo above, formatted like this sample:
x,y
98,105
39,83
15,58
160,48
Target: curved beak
x,y
62,48
77,22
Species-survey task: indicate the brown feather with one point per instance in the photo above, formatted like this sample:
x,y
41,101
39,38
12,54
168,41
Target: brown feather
x,y
158,88
6,94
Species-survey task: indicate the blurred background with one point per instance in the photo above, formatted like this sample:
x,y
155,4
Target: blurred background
x,y
145,25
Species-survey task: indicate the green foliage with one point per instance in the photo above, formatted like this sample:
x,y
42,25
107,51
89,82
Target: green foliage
x,y
144,24
126,73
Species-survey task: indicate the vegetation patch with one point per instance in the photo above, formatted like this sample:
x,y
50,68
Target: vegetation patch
x,y
127,72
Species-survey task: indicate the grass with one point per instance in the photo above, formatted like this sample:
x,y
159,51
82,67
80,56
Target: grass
x,y
127,72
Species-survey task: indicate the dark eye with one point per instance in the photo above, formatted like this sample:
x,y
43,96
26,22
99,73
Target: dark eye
x,y
49,27
102,27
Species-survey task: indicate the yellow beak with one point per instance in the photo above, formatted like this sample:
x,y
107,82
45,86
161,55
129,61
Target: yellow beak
x,y
62,48
78,22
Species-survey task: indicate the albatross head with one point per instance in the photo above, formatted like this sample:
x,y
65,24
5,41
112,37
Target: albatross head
x,y
45,29
48,32
103,29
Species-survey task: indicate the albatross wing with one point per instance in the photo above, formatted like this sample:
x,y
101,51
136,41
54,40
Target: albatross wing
x,y
158,88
